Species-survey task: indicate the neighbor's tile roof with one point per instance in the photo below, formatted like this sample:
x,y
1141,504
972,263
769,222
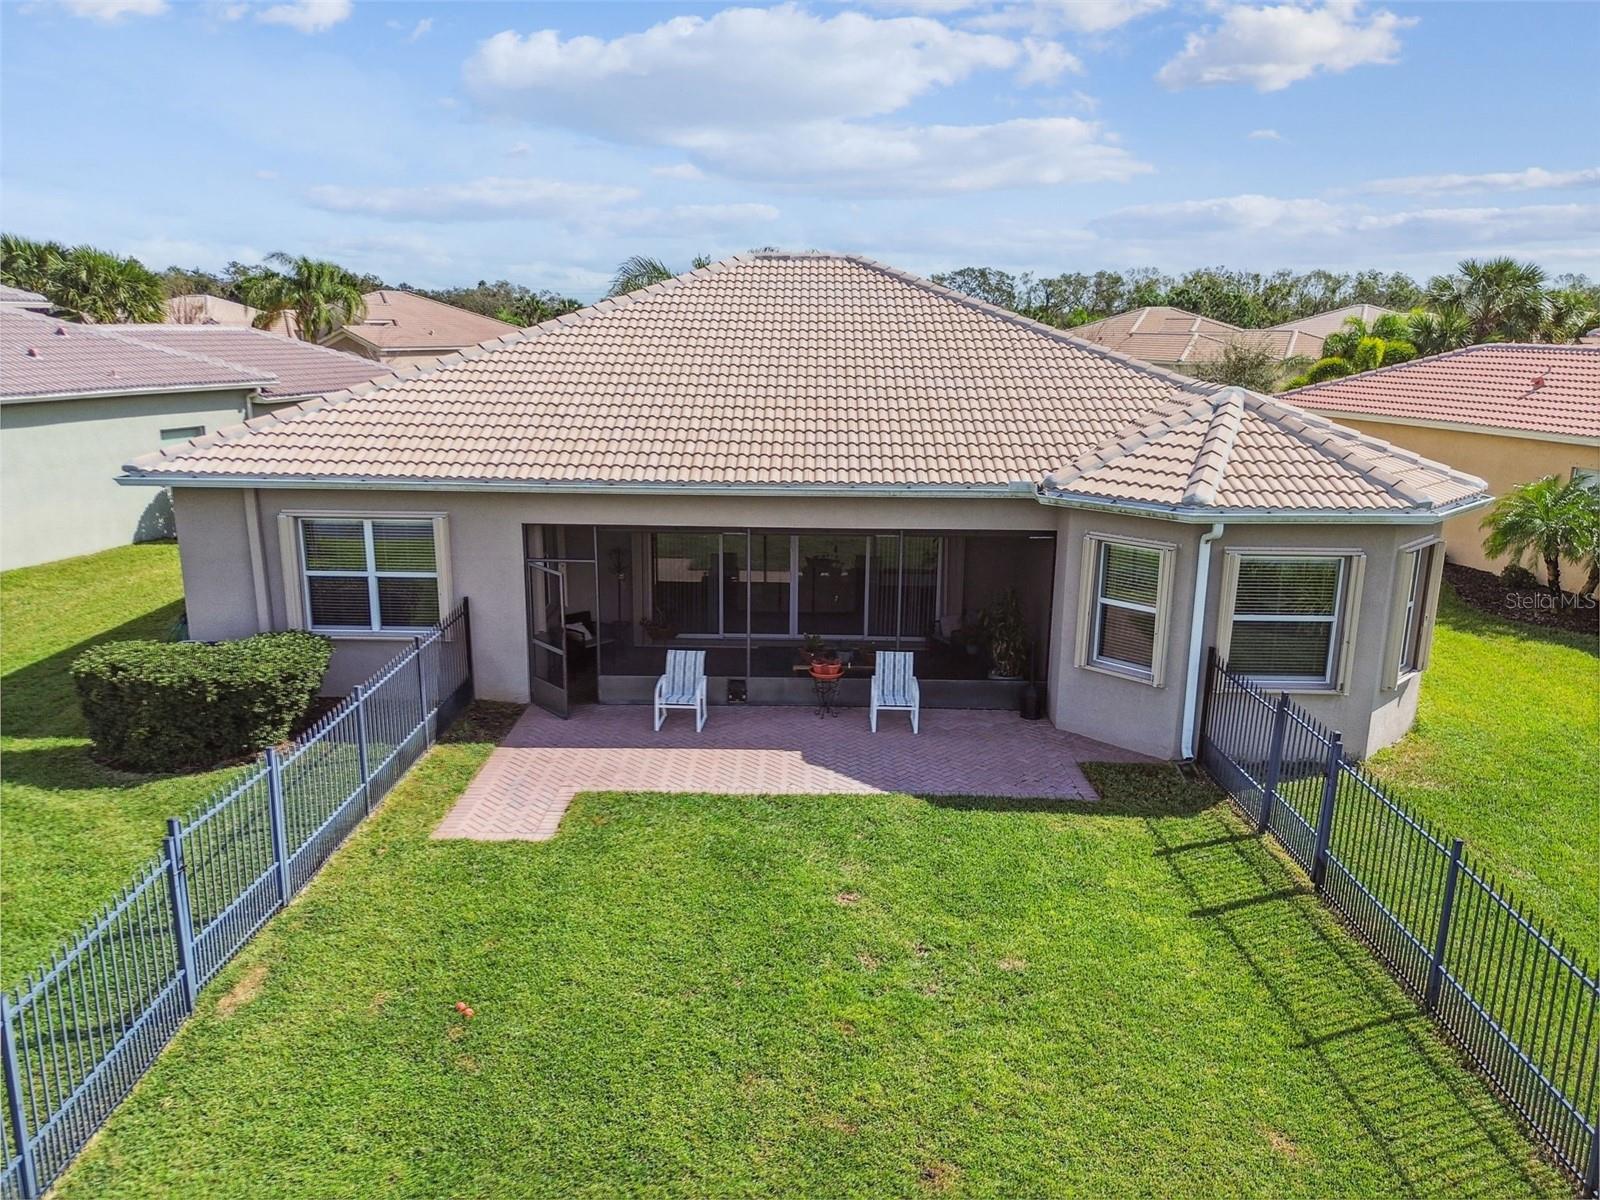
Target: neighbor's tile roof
x,y
297,368
398,320
1322,324
1160,334
1510,386
778,370
15,297
42,357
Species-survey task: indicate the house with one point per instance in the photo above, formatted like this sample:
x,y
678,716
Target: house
x,y
298,369
1320,325
404,329
779,446
20,299
1509,413
77,400
1171,337
198,308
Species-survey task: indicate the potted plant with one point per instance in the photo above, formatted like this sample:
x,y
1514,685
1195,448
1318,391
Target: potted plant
x,y
1005,634
658,628
814,647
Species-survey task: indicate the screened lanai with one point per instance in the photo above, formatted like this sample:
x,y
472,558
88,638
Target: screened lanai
x,y
605,603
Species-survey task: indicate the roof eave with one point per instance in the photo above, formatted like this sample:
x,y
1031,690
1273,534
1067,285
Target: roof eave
x,y
242,385
1196,514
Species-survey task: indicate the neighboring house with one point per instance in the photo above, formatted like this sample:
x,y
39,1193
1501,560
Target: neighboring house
x,y
1170,337
77,400
404,329
1508,412
297,369
782,445
15,299
198,308
1320,325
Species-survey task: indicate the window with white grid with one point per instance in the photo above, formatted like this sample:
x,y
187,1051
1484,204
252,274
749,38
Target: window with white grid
x,y
369,574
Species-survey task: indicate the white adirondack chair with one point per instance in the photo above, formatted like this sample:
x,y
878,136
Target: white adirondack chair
x,y
683,686
894,687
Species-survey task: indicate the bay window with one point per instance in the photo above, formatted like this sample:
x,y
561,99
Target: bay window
x,y
1287,617
1123,626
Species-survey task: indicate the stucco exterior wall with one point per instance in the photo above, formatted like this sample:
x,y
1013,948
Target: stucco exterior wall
x,y
59,460
228,597
1501,459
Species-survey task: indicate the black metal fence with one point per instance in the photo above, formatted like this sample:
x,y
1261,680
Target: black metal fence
x,y
78,1033
1516,998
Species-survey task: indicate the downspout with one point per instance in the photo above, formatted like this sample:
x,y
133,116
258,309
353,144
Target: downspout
x,y
1197,627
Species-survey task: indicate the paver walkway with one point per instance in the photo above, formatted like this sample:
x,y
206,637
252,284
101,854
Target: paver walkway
x,y
525,787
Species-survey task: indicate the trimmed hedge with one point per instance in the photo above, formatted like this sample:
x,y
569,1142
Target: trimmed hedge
x,y
180,706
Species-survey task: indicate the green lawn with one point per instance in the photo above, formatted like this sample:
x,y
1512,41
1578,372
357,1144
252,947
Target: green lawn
x,y
1506,754
71,830
845,996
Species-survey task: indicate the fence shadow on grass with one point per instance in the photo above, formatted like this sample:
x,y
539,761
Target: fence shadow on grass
x,y
1439,1131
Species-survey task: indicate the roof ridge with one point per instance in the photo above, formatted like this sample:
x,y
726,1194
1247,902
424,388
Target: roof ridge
x,y
1358,451
1216,447
1184,382
1169,416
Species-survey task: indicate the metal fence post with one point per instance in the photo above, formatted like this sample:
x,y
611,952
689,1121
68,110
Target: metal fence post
x,y
27,1178
358,698
466,636
1446,906
1330,793
1591,1177
280,838
1269,793
182,932
422,689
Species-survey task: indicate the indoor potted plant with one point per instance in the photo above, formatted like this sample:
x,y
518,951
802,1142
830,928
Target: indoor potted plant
x,y
1006,636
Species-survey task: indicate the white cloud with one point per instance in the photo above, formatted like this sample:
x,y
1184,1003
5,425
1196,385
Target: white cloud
x,y
1028,152
742,67
1530,179
685,171
1074,16
420,29
519,150
1272,46
307,16
266,173
783,95
1303,228
110,11
1265,135
486,199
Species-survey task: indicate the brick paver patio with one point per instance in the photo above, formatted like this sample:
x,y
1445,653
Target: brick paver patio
x,y
525,787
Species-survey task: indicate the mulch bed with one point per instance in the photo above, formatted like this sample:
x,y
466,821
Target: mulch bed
x,y
1537,606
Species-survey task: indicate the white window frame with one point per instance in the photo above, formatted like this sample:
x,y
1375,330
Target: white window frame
x,y
297,596
1347,606
1415,608
1089,601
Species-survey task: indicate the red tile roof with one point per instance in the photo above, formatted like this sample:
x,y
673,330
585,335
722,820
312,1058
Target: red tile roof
x,y
298,368
1551,390
42,357
811,370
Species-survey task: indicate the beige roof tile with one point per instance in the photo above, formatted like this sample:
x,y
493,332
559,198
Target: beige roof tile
x,y
782,370
399,320
1159,334
298,368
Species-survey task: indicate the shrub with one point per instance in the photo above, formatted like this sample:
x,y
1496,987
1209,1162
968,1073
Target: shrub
x,y
172,706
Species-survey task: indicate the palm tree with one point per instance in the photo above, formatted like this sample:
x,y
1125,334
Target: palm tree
x,y
1443,328
1569,315
1366,347
1502,299
27,264
641,271
319,295
1545,520
82,282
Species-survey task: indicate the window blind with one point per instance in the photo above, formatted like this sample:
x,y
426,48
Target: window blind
x,y
1285,617
369,574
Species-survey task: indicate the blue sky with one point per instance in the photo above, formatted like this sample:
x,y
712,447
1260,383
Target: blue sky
x,y
443,143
